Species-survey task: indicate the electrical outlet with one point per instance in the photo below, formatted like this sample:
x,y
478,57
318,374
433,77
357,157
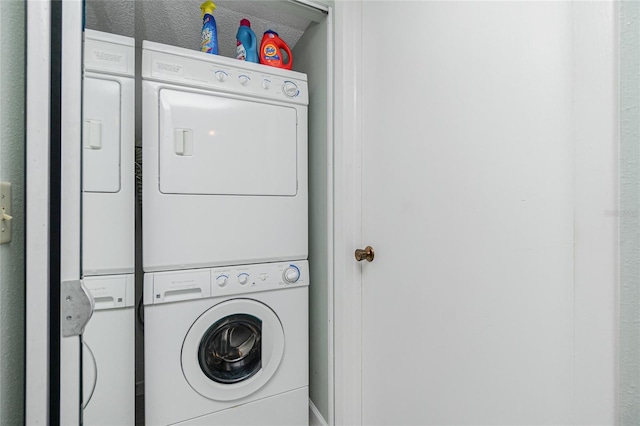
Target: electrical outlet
x,y
5,212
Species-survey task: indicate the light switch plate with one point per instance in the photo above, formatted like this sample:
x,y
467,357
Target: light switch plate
x,y
5,212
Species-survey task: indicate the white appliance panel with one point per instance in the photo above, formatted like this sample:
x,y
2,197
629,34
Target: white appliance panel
x,y
108,213
169,327
108,218
101,135
109,353
285,409
108,53
241,201
211,144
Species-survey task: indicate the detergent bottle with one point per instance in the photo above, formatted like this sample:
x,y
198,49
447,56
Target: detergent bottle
x,y
209,42
247,43
272,49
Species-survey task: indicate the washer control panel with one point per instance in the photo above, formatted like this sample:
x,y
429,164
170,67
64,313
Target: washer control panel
x,y
166,287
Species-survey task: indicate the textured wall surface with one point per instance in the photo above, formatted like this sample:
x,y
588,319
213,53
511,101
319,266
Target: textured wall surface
x,y
12,68
180,23
310,54
629,394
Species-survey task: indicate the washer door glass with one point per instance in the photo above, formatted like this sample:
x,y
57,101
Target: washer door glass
x,y
230,351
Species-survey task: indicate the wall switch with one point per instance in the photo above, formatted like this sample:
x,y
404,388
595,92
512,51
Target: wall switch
x,y
5,212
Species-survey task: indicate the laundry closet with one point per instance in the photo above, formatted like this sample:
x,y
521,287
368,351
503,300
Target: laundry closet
x,y
473,146
144,29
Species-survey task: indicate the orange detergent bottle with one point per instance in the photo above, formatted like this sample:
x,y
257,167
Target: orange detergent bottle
x,y
272,50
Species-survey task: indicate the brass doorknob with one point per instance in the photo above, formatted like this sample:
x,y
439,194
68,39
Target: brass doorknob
x,y
366,254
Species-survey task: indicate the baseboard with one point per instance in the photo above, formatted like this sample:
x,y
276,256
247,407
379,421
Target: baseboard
x,y
315,418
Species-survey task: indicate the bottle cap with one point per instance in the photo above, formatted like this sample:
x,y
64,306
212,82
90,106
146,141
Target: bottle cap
x,y
245,23
271,32
207,7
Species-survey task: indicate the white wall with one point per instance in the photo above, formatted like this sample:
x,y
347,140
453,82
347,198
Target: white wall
x,y
310,57
12,281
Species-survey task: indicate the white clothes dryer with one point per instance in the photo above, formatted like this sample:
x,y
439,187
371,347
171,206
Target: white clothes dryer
x,y
225,161
108,167
227,345
108,361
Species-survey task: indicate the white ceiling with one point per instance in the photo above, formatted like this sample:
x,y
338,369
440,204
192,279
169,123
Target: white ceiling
x,y
179,22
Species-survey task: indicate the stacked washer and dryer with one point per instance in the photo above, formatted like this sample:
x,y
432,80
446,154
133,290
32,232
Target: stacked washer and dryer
x,y
224,240
108,228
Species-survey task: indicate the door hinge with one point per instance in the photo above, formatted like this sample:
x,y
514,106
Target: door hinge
x,y
76,307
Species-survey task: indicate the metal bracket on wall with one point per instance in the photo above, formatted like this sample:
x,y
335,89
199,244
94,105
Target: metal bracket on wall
x,y
76,308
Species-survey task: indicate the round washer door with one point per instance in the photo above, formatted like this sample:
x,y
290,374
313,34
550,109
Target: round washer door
x,y
233,349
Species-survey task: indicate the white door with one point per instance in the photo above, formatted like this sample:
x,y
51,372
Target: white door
x,y
57,305
469,198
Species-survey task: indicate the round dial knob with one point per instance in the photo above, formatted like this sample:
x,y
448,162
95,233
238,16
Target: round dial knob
x,y
221,75
291,274
290,89
244,80
222,280
266,84
243,279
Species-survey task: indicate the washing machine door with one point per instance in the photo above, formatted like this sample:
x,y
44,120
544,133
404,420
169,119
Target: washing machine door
x,y
233,349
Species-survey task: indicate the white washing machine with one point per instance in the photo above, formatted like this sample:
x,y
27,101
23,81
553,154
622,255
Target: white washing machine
x,y
108,361
225,161
227,346
108,167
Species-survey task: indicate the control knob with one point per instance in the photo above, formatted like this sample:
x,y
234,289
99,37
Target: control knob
x,y
244,80
222,280
291,274
290,89
243,279
221,76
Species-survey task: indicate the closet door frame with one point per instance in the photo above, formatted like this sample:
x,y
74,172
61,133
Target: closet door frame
x,y
53,203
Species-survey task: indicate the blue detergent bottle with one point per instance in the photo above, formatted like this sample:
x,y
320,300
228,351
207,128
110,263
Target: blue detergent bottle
x,y
247,43
209,42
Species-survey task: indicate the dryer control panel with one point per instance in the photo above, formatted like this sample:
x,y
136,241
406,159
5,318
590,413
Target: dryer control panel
x,y
166,287
205,71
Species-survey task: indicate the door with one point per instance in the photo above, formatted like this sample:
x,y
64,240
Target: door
x,y
207,138
57,304
469,199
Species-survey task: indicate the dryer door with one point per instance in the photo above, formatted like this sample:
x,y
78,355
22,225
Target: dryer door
x,y
101,135
215,145
233,349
